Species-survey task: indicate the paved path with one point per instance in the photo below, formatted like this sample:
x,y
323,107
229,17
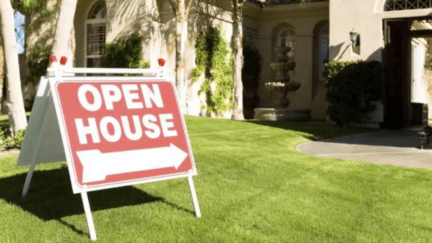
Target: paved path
x,y
391,147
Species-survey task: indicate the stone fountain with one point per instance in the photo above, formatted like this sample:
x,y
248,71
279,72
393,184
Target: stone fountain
x,y
280,88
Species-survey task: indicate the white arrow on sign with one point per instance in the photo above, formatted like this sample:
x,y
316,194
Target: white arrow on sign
x,y
98,165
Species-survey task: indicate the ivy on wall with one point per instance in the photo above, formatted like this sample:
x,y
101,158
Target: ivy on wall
x,y
211,60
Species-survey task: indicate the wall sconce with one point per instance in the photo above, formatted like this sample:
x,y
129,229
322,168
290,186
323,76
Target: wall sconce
x,y
355,38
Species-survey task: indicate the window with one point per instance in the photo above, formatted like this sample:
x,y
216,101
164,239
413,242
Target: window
x,y
394,5
323,50
95,34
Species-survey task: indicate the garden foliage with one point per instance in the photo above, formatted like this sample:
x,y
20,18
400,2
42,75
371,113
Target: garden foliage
x,y
8,142
211,60
38,60
351,87
124,54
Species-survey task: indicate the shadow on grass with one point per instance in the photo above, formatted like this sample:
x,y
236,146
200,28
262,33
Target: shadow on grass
x,y
51,198
4,124
404,138
316,130
4,121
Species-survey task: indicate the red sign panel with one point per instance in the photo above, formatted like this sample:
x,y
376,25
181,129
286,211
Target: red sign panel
x,y
122,133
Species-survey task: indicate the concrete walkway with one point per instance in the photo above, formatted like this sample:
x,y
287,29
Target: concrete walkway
x,y
391,147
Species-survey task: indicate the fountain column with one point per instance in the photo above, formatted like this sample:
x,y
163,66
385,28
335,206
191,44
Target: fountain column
x,y
280,87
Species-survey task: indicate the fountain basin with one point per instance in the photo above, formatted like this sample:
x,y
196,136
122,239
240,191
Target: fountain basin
x,y
282,49
279,86
282,114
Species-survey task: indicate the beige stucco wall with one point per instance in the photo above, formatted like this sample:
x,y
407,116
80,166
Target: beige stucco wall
x,y
365,17
156,23
41,29
358,16
123,19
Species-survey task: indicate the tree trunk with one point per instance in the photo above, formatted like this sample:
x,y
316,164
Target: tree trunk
x,y
62,38
15,103
182,33
237,45
181,38
2,76
181,12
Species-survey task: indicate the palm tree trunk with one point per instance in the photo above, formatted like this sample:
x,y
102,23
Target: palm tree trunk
x,y
237,39
61,46
2,75
180,62
15,103
181,12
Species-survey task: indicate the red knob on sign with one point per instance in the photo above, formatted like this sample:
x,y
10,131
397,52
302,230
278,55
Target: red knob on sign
x,y
161,62
63,60
53,58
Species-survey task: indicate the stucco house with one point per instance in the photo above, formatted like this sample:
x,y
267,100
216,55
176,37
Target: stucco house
x,y
394,32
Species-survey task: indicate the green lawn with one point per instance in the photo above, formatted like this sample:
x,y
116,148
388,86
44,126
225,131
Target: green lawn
x,y
252,186
4,121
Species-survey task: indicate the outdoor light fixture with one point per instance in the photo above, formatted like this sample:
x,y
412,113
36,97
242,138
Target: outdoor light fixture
x,y
354,38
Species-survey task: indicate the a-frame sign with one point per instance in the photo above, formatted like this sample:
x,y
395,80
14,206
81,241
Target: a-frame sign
x,y
112,131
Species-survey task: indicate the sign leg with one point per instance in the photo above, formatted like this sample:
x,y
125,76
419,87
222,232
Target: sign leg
x,y
88,215
194,197
35,148
28,179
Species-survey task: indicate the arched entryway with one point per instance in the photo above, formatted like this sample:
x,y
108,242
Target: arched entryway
x,y
408,46
407,42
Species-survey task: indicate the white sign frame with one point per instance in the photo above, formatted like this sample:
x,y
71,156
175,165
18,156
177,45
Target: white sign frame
x,y
42,115
65,140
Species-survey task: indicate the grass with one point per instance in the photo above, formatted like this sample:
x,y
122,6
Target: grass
x,y
4,121
252,186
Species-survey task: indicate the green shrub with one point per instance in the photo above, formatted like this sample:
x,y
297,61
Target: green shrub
x,y
250,78
38,60
12,141
351,86
124,54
